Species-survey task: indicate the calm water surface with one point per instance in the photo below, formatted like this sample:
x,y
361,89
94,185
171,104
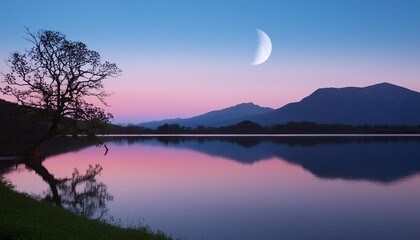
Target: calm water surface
x,y
244,187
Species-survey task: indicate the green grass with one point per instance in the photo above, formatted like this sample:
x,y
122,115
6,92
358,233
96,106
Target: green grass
x,y
22,217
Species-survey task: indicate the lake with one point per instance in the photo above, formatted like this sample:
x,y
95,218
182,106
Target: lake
x,y
254,187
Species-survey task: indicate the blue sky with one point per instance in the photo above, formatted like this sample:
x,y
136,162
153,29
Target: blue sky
x,y
199,51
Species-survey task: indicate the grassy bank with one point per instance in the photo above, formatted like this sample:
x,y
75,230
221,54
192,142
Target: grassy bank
x,y
22,217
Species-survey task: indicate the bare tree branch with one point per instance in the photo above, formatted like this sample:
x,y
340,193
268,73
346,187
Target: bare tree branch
x,y
56,77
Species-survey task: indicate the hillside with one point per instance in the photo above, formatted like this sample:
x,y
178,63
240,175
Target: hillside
x,y
380,104
215,118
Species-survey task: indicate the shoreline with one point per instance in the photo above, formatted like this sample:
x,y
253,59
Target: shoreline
x,y
23,217
260,135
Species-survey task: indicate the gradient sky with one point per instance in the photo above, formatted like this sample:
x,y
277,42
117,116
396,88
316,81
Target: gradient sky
x,y
183,58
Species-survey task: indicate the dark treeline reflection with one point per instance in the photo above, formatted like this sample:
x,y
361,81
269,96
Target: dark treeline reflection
x,y
379,159
383,159
11,147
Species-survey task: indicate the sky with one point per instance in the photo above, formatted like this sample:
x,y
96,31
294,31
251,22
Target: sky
x,y
184,58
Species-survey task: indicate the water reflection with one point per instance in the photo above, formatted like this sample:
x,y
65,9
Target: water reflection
x,y
377,159
246,187
81,193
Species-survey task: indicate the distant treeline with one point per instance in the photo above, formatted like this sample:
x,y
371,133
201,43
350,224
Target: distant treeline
x,y
249,127
12,124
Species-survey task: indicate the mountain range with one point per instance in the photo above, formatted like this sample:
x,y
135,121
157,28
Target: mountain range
x,y
215,118
379,104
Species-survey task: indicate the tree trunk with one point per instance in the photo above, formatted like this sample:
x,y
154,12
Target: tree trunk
x,y
35,151
34,159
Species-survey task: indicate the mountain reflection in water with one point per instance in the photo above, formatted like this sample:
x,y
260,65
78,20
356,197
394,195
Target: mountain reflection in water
x,y
378,159
283,187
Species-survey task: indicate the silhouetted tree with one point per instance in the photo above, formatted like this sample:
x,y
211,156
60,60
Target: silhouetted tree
x,y
57,78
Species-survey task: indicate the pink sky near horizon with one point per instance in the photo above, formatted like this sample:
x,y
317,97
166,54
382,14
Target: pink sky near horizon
x,y
172,86
182,89
166,83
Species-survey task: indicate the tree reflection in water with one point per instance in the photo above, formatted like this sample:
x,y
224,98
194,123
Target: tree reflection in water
x,y
82,194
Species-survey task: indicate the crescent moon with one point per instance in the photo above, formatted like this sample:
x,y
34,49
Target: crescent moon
x,y
264,48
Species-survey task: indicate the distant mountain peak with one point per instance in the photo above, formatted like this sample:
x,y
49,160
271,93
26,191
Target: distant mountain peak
x,y
242,105
382,103
215,118
380,88
387,85
383,84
